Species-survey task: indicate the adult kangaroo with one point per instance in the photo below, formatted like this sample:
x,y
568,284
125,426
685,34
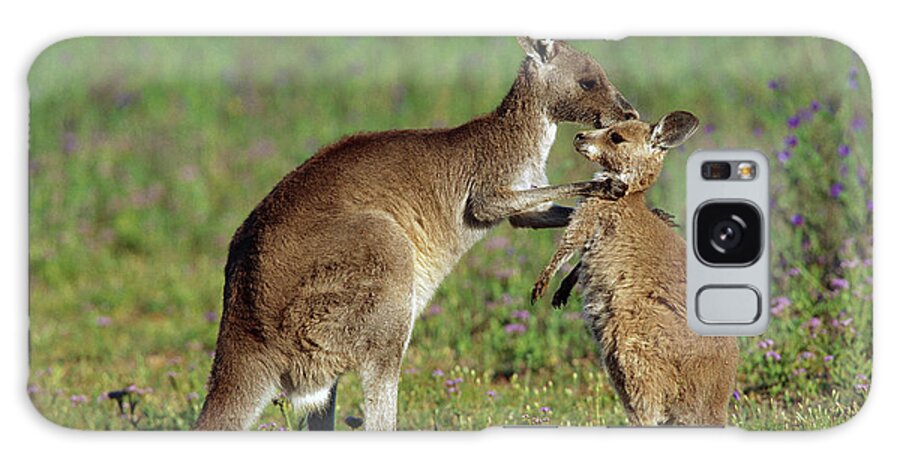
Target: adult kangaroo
x,y
329,271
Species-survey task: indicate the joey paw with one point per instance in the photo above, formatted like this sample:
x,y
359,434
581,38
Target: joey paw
x,y
538,291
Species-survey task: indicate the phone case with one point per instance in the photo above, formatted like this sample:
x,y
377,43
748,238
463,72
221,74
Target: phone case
x,y
157,163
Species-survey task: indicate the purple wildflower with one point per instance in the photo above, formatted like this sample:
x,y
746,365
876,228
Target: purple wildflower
x,y
870,205
77,399
793,272
434,310
767,343
807,355
836,189
828,358
797,219
852,77
521,315
784,155
844,151
790,141
210,316
546,410
514,328
814,106
772,354
858,124
793,122
773,84
267,426
193,396
814,323
104,321
437,373
709,128
452,385
844,170
736,395
757,131
838,283
779,305
491,393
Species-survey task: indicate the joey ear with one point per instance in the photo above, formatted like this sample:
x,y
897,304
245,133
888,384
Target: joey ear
x,y
673,129
540,50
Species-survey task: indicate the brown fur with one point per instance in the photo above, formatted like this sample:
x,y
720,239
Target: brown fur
x,y
633,272
328,272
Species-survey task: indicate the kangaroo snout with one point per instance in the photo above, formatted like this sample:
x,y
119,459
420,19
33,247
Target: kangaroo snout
x,y
585,143
622,111
628,111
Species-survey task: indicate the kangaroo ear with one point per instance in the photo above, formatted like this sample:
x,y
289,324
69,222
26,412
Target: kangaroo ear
x,y
540,50
673,129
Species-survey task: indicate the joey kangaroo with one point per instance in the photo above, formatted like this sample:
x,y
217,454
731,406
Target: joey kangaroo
x,y
330,270
633,273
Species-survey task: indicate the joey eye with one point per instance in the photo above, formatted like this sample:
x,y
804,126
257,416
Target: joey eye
x,y
616,138
587,84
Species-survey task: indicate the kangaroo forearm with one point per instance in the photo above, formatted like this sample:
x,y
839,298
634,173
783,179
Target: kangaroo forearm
x,y
555,216
500,205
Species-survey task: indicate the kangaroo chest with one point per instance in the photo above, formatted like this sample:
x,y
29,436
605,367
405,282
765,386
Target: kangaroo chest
x,y
533,173
613,263
633,277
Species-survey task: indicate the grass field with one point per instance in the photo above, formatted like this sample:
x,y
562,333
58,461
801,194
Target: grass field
x,y
146,154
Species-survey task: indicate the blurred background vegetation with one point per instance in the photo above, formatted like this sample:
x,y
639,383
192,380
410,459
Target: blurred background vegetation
x,y
147,153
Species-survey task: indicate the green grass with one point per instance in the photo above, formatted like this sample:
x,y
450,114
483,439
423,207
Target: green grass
x,y
146,154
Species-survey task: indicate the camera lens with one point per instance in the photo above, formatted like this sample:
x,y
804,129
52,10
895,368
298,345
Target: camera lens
x,y
728,233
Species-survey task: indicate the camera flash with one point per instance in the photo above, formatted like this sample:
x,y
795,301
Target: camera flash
x,y
746,170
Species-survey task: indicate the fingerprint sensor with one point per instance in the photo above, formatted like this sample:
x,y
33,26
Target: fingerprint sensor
x,y
728,304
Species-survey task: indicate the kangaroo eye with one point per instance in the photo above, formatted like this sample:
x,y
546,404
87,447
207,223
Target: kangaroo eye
x,y
616,138
587,84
